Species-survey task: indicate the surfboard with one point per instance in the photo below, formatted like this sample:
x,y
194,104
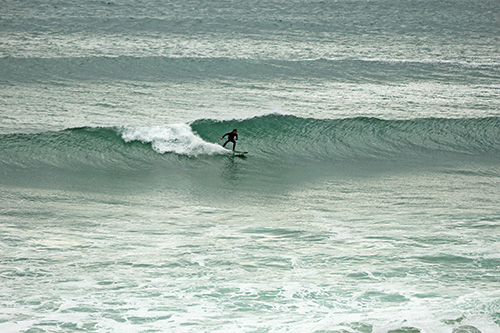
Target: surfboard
x,y
237,152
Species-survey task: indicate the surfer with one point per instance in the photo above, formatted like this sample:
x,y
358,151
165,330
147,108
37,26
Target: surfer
x,y
231,137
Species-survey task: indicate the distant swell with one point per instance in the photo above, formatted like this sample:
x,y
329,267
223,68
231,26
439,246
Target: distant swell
x,y
167,69
271,138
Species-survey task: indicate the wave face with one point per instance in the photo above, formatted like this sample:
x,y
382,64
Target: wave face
x,y
360,138
269,138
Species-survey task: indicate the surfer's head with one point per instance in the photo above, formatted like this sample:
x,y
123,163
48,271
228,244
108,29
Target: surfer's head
x,y
235,130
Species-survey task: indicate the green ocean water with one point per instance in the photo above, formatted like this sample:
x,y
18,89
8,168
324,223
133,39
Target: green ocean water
x,y
368,202
306,234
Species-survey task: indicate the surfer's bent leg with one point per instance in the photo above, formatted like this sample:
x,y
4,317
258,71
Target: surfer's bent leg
x,y
225,143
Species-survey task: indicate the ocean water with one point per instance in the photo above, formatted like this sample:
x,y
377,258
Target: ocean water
x,y
369,200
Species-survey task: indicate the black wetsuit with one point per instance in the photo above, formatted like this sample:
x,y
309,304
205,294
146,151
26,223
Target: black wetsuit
x,y
231,137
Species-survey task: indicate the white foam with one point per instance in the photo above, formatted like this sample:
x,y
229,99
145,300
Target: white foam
x,y
173,138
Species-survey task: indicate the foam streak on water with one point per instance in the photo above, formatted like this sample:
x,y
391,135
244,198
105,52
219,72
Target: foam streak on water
x,y
159,262
177,138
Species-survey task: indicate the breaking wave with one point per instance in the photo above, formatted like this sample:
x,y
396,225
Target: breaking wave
x,y
271,138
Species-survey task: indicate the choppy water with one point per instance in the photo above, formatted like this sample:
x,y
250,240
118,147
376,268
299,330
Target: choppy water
x,y
369,200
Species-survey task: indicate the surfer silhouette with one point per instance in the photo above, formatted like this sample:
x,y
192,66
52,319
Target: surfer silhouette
x,y
231,137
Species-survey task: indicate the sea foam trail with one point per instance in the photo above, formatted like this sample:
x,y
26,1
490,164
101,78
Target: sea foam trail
x,y
175,138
